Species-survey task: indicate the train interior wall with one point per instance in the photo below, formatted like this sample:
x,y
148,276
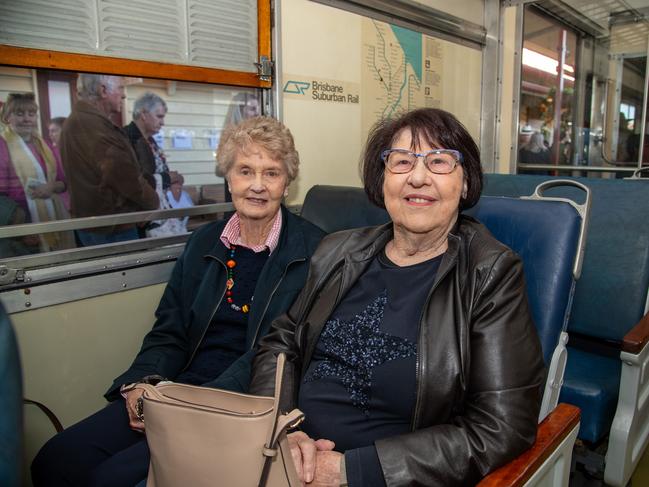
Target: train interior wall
x,y
71,352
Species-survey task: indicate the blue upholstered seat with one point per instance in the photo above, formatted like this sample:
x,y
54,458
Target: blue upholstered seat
x,y
545,235
11,407
591,382
610,297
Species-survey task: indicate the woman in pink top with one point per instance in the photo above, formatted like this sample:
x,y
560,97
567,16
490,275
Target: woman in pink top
x,y
30,172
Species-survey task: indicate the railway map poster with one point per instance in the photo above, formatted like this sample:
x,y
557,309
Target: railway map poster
x,y
400,70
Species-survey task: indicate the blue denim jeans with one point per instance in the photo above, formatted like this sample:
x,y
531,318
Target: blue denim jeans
x,y
89,238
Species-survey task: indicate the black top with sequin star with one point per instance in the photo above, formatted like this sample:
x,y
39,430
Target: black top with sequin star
x,y
361,383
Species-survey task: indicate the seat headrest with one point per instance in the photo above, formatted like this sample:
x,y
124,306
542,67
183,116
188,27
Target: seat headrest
x,y
335,208
611,294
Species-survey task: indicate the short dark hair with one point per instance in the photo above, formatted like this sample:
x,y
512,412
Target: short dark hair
x,y
58,121
440,129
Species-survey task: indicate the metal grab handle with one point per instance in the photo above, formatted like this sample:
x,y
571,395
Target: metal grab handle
x,y
582,209
637,174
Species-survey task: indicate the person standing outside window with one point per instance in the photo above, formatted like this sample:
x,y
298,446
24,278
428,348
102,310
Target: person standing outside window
x,y
103,173
149,111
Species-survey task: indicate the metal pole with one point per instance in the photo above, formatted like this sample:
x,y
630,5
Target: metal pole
x,y
558,98
516,99
644,109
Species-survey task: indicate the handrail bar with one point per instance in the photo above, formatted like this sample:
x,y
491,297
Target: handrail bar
x,y
60,257
567,168
110,220
582,209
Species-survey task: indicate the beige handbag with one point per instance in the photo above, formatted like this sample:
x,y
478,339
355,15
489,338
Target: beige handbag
x,y
200,436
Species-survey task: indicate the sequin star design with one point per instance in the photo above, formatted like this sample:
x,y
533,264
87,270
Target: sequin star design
x,y
355,347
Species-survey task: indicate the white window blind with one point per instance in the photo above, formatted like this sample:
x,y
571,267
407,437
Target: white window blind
x,y
223,32
211,33
66,25
142,29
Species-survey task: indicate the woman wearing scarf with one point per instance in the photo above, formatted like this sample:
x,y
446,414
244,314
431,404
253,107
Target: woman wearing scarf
x,y
30,172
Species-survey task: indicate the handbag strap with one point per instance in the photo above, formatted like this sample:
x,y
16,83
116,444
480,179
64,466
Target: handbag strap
x,y
279,424
151,390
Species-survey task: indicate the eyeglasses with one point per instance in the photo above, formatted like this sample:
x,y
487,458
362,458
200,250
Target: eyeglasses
x,y
437,161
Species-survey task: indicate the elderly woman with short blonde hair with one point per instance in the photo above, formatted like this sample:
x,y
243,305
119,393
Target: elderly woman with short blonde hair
x,y
234,277
30,171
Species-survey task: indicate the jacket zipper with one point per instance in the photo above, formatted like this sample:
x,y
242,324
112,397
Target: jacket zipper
x,y
254,340
420,350
218,303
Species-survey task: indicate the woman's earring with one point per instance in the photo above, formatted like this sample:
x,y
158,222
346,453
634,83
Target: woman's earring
x,y
285,192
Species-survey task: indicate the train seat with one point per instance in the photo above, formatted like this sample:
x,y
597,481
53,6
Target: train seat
x,y
11,405
549,235
546,235
609,326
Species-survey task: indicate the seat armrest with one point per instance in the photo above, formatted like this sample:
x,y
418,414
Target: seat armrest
x,y
551,432
637,337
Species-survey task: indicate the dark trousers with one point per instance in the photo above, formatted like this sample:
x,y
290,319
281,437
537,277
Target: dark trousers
x,y
101,450
89,238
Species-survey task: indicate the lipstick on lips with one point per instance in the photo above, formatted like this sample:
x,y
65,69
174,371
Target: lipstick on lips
x,y
419,199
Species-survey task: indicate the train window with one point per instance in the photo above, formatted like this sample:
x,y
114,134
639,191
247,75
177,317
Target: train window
x,y
626,147
547,98
172,126
209,69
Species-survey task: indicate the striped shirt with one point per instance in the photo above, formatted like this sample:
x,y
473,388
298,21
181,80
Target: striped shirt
x,y
231,234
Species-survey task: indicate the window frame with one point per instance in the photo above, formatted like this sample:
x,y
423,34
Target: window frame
x,y
90,63
33,58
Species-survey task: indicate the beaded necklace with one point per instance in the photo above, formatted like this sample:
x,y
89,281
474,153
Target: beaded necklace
x,y
231,264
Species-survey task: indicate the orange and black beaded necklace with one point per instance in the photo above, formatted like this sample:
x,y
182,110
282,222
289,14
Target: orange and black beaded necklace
x,y
229,296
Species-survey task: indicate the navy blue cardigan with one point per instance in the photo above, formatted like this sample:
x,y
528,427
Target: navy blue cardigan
x,y
195,290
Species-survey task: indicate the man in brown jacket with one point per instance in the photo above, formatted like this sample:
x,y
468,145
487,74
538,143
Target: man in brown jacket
x,y
102,171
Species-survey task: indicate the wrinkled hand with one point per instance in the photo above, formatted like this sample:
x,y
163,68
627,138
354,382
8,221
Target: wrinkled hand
x,y
42,191
131,399
304,451
327,469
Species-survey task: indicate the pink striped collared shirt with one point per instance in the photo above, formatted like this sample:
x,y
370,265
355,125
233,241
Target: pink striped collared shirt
x,y
231,234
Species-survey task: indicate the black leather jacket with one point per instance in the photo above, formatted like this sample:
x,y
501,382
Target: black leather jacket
x,y
479,368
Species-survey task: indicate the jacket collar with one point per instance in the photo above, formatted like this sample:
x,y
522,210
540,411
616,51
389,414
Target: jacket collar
x,y
291,235
85,107
379,237
291,248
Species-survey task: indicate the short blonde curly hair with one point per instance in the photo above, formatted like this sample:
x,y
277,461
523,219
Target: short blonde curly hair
x,y
266,132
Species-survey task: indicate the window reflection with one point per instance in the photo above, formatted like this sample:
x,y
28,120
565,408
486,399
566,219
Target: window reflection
x,y
630,113
31,176
547,99
154,148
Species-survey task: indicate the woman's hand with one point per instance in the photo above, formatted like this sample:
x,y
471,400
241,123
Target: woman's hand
x,y
327,469
304,451
42,191
132,397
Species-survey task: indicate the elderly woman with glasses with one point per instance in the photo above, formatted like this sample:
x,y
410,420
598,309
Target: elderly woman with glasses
x,y
411,348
